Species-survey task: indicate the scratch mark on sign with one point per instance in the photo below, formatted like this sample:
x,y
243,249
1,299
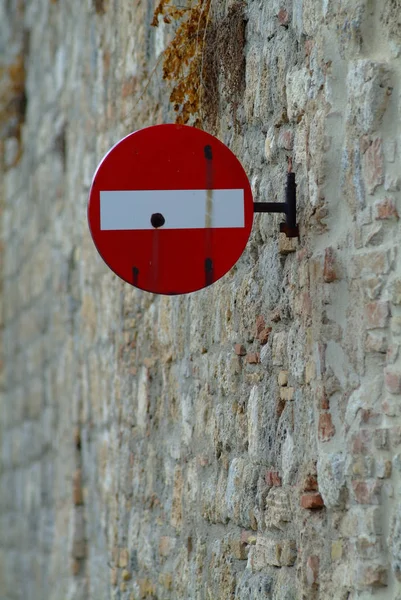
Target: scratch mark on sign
x,y
209,186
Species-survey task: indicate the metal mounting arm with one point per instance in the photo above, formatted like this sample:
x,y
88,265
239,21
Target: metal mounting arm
x,y
289,208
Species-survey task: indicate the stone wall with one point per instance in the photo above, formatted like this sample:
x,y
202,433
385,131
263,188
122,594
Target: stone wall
x,y
243,441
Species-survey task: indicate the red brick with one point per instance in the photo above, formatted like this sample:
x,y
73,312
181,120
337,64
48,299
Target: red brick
x,y
260,324
312,501
312,570
273,479
366,492
264,335
283,17
326,429
377,314
386,209
374,165
239,349
262,332
280,406
392,380
253,358
329,269
321,396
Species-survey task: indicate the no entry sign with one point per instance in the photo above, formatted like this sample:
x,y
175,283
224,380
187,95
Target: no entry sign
x,y
170,209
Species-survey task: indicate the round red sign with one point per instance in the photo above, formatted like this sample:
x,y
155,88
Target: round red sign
x,y
170,209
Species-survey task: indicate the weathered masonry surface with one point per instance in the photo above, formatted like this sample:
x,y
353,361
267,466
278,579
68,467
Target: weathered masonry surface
x,y
243,442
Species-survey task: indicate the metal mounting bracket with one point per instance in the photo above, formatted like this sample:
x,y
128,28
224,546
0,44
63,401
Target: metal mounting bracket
x,y
289,208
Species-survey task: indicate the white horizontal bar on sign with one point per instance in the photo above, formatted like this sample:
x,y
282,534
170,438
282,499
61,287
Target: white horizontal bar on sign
x,y
181,209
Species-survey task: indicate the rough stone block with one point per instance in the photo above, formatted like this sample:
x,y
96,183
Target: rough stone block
x,y
337,550
279,348
372,576
369,547
123,559
392,380
374,262
368,87
383,468
287,393
374,165
362,441
166,545
297,86
312,570
288,553
376,342
310,371
366,492
377,314
362,466
286,139
176,508
273,552
239,549
395,290
395,325
386,210
287,245
282,378
278,509
381,438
